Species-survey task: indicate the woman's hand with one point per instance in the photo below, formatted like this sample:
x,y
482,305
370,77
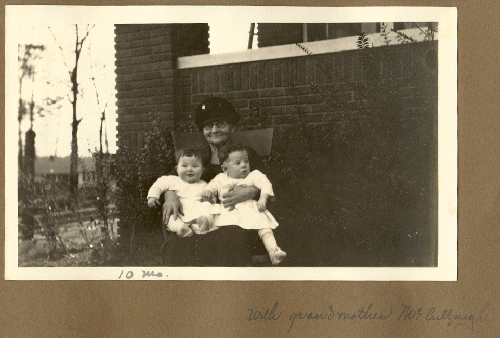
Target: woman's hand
x,y
237,194
172,206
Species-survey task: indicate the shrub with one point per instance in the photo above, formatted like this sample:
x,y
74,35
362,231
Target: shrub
x,y
136,170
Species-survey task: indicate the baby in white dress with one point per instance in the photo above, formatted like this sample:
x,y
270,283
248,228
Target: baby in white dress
x,y
198,215
250,214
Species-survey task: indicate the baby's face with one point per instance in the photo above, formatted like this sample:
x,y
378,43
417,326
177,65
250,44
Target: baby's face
x,y
237,165
189,169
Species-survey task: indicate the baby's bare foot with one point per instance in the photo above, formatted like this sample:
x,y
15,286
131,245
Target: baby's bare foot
x,y
185,231
196,228
203,224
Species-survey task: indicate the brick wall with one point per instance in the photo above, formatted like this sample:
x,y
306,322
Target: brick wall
x,y
323,86
146,79
315,88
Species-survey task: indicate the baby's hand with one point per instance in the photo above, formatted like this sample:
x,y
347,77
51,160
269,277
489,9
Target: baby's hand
x,y
153,202
208,195
261,204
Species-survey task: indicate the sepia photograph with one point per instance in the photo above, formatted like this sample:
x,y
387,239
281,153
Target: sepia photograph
x,y
231,143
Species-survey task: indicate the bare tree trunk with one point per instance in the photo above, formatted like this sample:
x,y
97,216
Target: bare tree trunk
x,y
20,153
100,132
73,167
29,155
20,161
73,73
29,142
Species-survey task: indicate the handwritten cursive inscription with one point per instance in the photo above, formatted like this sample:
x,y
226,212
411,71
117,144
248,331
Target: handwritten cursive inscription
x,y
265,315
463,319
466,319
362,313
372,313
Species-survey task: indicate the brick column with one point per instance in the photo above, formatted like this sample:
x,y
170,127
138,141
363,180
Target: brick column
x,y
146,74
147,81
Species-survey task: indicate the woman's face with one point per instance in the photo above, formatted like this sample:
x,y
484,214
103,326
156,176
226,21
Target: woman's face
x,y
218,132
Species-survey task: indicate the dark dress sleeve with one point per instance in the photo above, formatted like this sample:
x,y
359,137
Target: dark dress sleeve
x,y
210,172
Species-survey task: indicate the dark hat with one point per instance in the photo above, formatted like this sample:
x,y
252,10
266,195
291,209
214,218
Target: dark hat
x,y
215,108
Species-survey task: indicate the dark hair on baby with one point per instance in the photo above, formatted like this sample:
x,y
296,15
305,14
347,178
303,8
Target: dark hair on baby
x,y
194,152
226,151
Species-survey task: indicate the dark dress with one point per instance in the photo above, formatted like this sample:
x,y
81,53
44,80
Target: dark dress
x,y
227,246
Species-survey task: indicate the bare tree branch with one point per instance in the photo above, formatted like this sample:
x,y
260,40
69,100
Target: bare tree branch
x,y
415,24
61,49
86,35
76,41
96,91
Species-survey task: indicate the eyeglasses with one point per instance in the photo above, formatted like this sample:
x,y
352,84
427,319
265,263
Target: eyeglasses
x,y
220,125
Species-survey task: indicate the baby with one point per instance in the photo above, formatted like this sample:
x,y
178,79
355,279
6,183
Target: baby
x,y
188,186
250,214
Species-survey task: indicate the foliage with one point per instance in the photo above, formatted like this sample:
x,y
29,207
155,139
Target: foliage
x,y
102,194
37,214
136,170
186,125
429,32
401,38
46,210
305,49
133,170
351,179
28,55
362,41
384,33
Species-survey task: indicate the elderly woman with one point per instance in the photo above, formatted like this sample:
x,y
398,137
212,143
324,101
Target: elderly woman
x,y
228,245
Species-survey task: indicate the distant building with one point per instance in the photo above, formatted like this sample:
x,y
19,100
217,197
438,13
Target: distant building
x,y
55,170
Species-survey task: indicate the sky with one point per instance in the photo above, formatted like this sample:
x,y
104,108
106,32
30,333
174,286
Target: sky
x,y
54,129
52,79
